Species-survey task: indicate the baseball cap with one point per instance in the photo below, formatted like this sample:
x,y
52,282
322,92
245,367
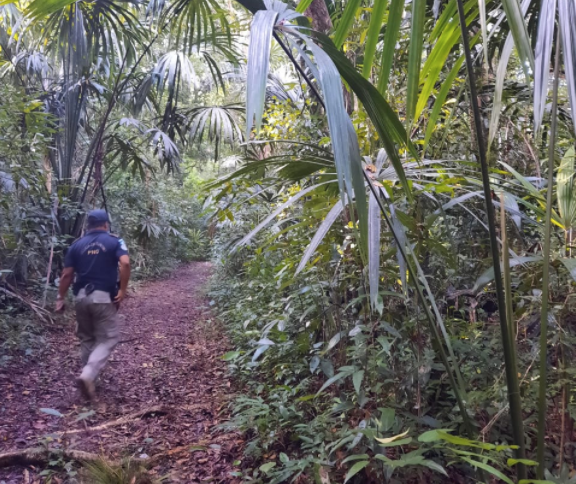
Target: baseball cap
x,y
98,215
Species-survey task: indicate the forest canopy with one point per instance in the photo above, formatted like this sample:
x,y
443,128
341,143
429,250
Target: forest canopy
x,y
385,188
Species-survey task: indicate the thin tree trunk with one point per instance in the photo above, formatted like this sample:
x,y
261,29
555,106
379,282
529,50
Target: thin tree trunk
x,y
320,16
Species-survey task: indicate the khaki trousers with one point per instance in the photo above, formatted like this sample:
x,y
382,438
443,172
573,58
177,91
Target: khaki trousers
x,y
98,330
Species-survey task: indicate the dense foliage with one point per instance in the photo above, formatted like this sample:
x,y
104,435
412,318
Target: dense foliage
x,y
392,224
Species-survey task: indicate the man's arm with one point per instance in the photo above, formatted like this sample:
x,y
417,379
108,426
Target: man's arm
x,y
65,281
124,263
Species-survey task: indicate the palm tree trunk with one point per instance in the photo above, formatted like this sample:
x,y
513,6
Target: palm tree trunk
x,y
320,16
542,404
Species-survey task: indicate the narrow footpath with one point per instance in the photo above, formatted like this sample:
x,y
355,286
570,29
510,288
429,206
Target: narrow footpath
x,y
161,397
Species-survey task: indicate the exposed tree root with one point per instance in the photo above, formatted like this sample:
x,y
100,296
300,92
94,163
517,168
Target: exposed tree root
x,y
40,455
158,410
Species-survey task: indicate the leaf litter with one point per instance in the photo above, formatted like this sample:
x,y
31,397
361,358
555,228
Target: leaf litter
x,y
161,396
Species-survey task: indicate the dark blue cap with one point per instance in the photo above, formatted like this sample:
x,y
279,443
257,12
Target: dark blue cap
x,y
98,216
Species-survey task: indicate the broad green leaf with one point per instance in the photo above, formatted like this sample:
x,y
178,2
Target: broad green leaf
x,y
397,443
351,458
346,22
258,66
398,229
376,19
385,120
520,34
359,188
567,19
441,98
447,17
544,41
231,355
334,379
457,440
387,418
355,469
267,467
432,435
303,5
321,232
357,380
338,118
395,13
435,62
415,58
488,468
41,8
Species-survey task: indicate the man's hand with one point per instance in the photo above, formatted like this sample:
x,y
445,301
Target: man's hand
x,y
60,305
120,297
124,263
65,282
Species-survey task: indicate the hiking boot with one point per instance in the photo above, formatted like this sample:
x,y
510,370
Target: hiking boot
x,y
87,389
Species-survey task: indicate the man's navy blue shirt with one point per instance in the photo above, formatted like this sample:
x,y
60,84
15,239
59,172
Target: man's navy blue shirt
x,y
95,258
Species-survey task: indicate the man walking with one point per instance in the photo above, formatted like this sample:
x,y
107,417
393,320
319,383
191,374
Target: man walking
x,y
95,259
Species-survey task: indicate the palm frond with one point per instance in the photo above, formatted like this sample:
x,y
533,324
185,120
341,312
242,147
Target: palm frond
x,y
172,69
165,149
193,22
219,124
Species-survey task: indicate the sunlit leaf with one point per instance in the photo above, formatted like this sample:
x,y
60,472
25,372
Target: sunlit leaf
x,y
520,34
373,35
258,66
395,13
544,41
346,22
415,57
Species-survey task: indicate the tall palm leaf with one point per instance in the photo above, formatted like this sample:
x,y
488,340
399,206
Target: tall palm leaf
x,y
219,124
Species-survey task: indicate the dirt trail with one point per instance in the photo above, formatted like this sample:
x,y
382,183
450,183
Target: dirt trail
x,y
168,361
